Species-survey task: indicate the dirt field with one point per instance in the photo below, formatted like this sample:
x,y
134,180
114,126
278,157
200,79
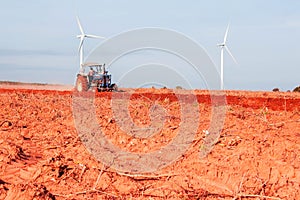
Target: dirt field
x,y
43,157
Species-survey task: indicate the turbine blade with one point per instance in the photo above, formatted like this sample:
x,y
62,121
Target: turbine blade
x,y
226,33
95,36
81,42
80,27
231,55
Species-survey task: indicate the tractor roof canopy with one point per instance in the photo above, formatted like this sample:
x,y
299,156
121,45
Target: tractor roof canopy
x,y
92,65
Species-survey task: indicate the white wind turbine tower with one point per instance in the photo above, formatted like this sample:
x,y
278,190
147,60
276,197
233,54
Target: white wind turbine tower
x,y
82,36
224,46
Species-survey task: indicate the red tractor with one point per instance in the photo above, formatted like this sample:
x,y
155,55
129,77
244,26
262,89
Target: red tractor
x,y
97,78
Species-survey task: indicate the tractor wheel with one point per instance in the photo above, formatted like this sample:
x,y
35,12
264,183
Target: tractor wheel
x,y
114,87
81,83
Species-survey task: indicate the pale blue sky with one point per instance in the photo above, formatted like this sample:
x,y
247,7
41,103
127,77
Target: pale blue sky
x,y
38,42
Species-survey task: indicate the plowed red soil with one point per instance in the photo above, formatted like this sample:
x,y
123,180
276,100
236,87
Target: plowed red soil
x,y
255,157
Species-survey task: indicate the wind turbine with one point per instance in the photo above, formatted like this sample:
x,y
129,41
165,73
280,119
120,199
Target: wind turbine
x,y
224,46
82,36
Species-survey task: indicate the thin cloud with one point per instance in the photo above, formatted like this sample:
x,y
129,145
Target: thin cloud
x,y
30,52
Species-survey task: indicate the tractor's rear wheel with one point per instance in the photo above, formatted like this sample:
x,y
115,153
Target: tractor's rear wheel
x,y
81,83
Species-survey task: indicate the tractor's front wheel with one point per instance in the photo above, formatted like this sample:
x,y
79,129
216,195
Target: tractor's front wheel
x,y
81,83
114,87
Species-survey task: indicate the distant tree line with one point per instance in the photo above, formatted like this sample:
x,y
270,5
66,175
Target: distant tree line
x,y
297,89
